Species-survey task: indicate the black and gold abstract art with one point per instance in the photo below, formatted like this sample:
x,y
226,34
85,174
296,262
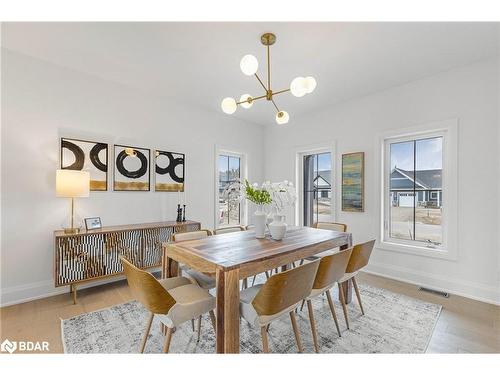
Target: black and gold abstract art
x,y
91,156
169,171
131,171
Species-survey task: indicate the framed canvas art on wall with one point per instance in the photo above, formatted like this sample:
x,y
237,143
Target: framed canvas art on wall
x,y
131,172
169,171
91,156
353,170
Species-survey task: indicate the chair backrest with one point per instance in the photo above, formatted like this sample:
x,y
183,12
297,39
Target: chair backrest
x,y
194,235
146,289
339,227
238,228
331,268
285,289
360,256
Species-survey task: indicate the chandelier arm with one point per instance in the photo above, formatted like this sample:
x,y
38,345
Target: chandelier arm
x,y
260,81
275,106
281,91
253,99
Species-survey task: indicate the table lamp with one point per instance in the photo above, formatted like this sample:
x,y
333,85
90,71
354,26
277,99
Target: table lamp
x,y
72,184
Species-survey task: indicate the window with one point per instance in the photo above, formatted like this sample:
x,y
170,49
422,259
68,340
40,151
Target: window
x,y
317,187
419,200
229,171
414,191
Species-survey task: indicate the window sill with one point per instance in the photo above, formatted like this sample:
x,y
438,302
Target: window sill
x,y
440,253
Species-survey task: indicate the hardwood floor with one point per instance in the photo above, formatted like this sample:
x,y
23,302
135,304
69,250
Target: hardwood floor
x,y
464,326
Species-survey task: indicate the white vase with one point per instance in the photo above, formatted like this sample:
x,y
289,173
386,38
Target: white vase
x,y
260,224
278,227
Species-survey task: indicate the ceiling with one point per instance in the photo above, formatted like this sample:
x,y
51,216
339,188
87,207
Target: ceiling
x,y
199,62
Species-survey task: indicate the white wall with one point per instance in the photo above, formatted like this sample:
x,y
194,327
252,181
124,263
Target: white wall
x,y
469,94
42,102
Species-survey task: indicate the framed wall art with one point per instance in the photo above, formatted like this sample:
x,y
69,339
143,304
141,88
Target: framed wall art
x,y
131,171
169,171
353,170
91,156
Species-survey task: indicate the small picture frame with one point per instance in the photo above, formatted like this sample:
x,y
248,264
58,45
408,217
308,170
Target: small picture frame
x,y
93,223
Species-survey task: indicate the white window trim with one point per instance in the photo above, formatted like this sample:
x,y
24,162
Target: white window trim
x,y
448,129
230,151
318,148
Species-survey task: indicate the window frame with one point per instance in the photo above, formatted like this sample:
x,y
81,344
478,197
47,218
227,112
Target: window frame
x,y
448,249
299,178
225,151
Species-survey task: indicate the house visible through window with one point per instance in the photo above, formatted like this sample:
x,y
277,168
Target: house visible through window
x,y
414,190
229,172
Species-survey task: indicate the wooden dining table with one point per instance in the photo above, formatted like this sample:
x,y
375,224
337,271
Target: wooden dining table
x,y
232,257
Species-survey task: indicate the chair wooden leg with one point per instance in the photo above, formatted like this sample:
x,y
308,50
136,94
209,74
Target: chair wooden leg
x,y
267,275
253,280
344,306
296,331
355,284
301,262
212,319
332,309
245,283
192,324
199,329
302,306
265,343
168,338
146,334
313,326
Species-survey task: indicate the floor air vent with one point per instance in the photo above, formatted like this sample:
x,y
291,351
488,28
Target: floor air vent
x,y
437,292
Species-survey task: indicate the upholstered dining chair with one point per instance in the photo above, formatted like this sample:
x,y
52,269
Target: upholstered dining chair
x,y
233,229
174,300
338,227
331,269
282,292
205,281
236,228
359,258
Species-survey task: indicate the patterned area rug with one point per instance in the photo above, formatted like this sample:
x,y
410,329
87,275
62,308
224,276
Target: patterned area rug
x,y
393,323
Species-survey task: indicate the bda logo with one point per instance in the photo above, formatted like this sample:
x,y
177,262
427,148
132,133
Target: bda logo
x,y
8,346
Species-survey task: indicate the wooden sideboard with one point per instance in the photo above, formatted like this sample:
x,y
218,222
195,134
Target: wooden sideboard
x,y
95,254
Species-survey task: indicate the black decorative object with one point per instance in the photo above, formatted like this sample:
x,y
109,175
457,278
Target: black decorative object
x,y
169,171
179,214
80,155
184,212
131,172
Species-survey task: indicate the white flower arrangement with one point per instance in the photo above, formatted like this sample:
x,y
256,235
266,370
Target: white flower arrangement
x,y
282,194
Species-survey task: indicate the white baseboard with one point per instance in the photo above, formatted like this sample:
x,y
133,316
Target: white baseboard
x,y
463,288
43,289
475,291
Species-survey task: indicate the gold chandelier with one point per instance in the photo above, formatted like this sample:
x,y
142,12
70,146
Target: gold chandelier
x,y
299,87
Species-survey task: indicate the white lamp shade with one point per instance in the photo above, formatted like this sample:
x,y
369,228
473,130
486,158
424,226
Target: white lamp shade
x,y
229,106
282,117
249,65
72,184
310,84
298,87
244,99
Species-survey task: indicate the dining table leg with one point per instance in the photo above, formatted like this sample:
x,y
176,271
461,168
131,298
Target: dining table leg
x,y
346,286
228,310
